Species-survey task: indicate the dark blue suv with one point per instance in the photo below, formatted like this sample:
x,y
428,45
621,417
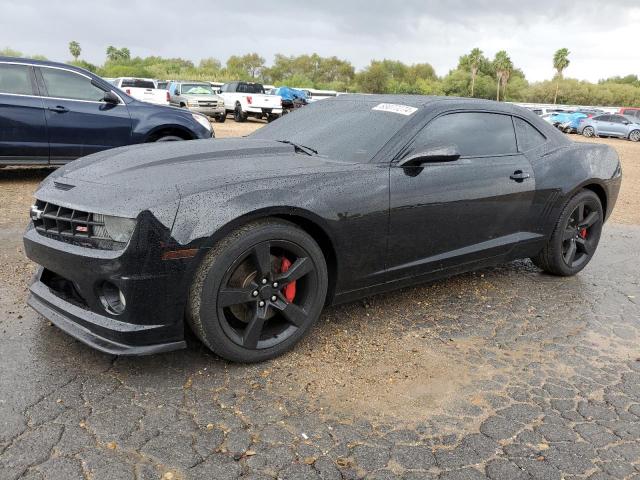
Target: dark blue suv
x,y
52,113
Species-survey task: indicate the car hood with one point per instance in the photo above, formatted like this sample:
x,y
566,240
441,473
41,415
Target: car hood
x,y
130,179
209,98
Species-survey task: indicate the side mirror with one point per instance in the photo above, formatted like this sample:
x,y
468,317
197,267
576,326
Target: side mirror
x,y
110,97
177,93
445,153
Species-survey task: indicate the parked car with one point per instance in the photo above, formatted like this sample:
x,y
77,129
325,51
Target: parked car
x,y
247,99
162,84
52,113
572,122
632,112
292,98
251,237
143,89
610,125
199,97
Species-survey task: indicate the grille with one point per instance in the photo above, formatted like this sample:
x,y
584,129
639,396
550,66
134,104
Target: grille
x,y
207,104
71,226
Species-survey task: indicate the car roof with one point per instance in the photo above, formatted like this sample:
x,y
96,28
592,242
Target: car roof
x,y
44,63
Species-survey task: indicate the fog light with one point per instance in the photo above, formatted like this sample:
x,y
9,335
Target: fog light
x,y
112,298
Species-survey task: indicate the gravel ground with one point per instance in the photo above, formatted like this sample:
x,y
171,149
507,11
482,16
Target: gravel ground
x,y
504,373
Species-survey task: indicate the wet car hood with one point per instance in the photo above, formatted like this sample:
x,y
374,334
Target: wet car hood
x,y
127,180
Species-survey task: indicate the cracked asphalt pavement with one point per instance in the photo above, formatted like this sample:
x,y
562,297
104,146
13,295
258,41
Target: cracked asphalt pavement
x,y
505,373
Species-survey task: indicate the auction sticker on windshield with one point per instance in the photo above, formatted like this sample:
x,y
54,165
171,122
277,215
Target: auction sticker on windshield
x,y
395,108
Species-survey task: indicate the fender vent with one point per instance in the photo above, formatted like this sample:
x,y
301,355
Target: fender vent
x,y
63,186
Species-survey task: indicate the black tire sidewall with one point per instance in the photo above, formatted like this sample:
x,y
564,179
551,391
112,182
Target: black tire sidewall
x,y
215,337
556,239
169,138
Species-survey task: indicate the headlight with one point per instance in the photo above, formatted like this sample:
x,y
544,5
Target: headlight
x,y
192,103
118,229
202,120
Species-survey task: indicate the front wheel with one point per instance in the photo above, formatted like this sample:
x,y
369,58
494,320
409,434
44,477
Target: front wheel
x,y
220,118
169,138
634,136
575,237
258,291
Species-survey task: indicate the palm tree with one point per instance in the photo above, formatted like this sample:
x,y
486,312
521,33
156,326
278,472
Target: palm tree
x,y
74,49
503,66
560,62
475,59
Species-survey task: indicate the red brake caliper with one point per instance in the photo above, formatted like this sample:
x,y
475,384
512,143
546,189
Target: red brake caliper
x,y
583,233
289,290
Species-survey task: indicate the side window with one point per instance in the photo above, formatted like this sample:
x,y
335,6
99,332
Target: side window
x,y
528,136
15,79
603,118
474,133
65,84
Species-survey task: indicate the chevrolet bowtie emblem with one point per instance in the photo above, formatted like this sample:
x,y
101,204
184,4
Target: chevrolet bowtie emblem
x,y
35,213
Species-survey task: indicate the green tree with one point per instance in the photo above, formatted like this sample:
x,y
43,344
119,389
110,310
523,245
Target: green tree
x,y
247,66
75,49
475,59
118,54
10,52
560,62
502,66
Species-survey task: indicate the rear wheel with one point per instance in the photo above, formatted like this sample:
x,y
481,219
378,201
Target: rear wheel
x,y
258,291
588,132
634,136
238,115
575,237
271,117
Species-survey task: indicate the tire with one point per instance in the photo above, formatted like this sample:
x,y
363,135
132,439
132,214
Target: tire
x,y
634,135
224,298
238,115
169,138
575,236
588,132
272,117
220,118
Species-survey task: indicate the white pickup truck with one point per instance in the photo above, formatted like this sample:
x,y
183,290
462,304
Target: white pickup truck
x,y
143,89
247,99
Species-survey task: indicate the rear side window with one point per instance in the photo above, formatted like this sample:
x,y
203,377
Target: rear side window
x,y
65,84
528,136
15,79
474,133
602,118
137,83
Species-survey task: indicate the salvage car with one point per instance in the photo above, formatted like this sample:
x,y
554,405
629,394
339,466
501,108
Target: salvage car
x,y
249,238
610,125
52,113
198,97
248,99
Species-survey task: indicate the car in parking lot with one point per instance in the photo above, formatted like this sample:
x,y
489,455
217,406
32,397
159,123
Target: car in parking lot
x,y
632,112
248,238
610,125
52,113
143,89
248,99
198,97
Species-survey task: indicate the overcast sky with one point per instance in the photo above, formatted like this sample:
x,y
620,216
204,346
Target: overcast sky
x,y
602,35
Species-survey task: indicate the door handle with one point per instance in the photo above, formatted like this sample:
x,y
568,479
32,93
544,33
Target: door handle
x,y
59,109
519,176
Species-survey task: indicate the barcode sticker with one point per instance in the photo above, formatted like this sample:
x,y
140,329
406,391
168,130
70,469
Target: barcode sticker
x,y
395,108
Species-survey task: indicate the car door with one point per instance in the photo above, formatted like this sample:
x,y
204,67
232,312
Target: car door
x,y
79,121
619,125
605,125
444,214
23,128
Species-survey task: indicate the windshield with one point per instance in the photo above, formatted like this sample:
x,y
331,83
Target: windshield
x,y
351,130
196,89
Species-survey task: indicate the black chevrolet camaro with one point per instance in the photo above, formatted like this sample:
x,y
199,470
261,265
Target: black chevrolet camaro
x,y
247,239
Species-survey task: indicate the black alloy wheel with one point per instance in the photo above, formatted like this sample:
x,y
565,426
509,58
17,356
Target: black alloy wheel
x,y
258,291
575,237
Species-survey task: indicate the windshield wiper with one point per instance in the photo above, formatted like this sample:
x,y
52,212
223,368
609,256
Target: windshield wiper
x,y
300,148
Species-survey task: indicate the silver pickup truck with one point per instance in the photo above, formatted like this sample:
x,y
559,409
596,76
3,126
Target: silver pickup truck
x,y
199,97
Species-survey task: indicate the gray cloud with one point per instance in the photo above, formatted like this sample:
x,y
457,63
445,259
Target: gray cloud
x,y
431,31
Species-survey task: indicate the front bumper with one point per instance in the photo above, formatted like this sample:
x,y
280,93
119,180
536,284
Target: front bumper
x,y
209,111
153,319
